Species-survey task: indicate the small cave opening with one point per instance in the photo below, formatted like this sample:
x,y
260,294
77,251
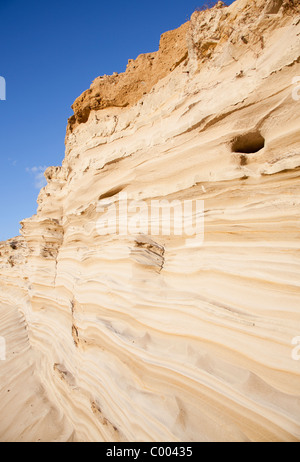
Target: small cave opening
x,y
112,192
249,143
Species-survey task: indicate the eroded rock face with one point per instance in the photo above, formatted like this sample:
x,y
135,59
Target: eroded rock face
x,y
273,6
126,89
139,336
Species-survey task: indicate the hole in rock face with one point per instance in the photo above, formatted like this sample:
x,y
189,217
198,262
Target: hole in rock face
x,y
112,192
248,143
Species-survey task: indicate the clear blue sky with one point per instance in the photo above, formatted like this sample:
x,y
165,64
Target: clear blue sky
x,y
51,51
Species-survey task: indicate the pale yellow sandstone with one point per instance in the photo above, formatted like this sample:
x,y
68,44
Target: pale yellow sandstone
x,y
143,338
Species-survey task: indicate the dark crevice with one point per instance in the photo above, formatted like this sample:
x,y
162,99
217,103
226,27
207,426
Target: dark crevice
x,y
249,143
112,192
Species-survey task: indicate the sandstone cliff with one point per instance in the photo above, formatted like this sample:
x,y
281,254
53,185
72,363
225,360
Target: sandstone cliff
x,y
141,337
